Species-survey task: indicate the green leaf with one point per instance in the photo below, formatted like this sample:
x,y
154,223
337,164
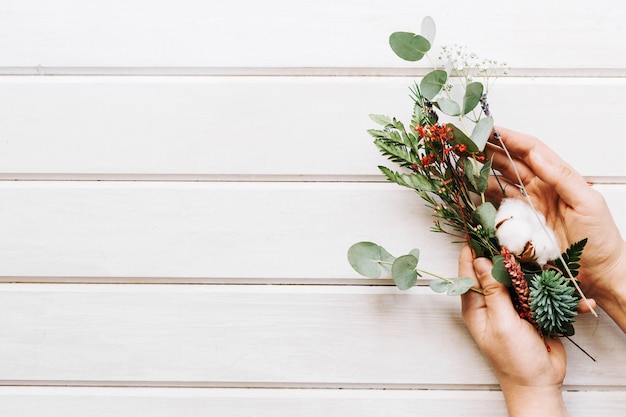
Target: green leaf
x,y
499,271
482,131
415,252
418,182
460,138
387,259
381,119
479,182
432,83
482,181
378,134
429,29
365,258
392,176
396,153
571,257
409,46
448,106
453,286
439,286
460,285
403,271
473,93
485,214
477,248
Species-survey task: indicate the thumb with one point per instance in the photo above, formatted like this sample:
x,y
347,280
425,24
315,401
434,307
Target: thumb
x,y
497,297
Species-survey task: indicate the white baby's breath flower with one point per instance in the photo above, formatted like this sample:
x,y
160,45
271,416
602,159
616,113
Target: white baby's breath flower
x,y
525,233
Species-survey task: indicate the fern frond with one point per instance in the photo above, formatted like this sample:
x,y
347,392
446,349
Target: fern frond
x,y
396,153
571,257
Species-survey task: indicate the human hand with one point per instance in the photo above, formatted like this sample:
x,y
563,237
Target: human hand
x,y
530,375
572,208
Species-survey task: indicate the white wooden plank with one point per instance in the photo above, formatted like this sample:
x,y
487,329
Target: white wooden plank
x,y
204,230
266,126
330,33
261,336
174,402
281,232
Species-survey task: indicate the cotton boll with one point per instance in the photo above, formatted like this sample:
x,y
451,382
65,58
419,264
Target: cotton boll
x,y
525,233
511,208
514,225
545,246
514,233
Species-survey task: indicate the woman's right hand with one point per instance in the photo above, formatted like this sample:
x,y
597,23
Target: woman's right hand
x,y
573,209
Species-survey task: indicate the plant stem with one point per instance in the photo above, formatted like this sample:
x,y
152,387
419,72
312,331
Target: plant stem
x,y
445,279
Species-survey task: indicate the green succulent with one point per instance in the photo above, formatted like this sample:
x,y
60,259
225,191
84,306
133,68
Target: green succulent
x,y
553,302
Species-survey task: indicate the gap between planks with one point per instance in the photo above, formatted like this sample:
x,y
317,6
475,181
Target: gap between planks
x,y
245,385
107,177
293,71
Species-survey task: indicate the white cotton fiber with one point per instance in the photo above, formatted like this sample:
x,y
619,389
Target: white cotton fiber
x,y
517,227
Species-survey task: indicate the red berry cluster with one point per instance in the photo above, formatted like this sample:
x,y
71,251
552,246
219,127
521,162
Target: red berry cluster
x,y
439,140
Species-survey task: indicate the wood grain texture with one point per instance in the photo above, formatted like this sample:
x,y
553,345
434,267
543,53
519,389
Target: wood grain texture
x,y
215,231
37,34
261,336
229,127
172,402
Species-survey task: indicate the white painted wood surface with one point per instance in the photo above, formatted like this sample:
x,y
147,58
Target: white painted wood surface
x,y
37,34
168,402
225,127
290,336
179,183
242,232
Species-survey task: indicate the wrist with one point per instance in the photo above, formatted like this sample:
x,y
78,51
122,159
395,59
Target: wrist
x,y
610,293
534,401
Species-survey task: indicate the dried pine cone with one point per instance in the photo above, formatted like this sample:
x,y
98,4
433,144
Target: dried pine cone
x,y
521,292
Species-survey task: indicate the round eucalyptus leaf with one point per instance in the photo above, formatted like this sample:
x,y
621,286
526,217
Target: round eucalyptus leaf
x,y
485,214
473,93
482,131
499,272
387,259
365,258
439,285
403,271
460,285
409,46
449,107
415,252
432,83
460,138
429,29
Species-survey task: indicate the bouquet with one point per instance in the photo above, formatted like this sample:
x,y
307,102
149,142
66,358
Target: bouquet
x,y
446,165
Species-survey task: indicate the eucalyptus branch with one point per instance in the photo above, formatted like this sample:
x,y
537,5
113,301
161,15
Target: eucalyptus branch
x,y
447,280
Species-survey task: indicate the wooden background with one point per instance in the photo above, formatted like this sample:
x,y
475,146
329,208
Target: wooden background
x,y
180,181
